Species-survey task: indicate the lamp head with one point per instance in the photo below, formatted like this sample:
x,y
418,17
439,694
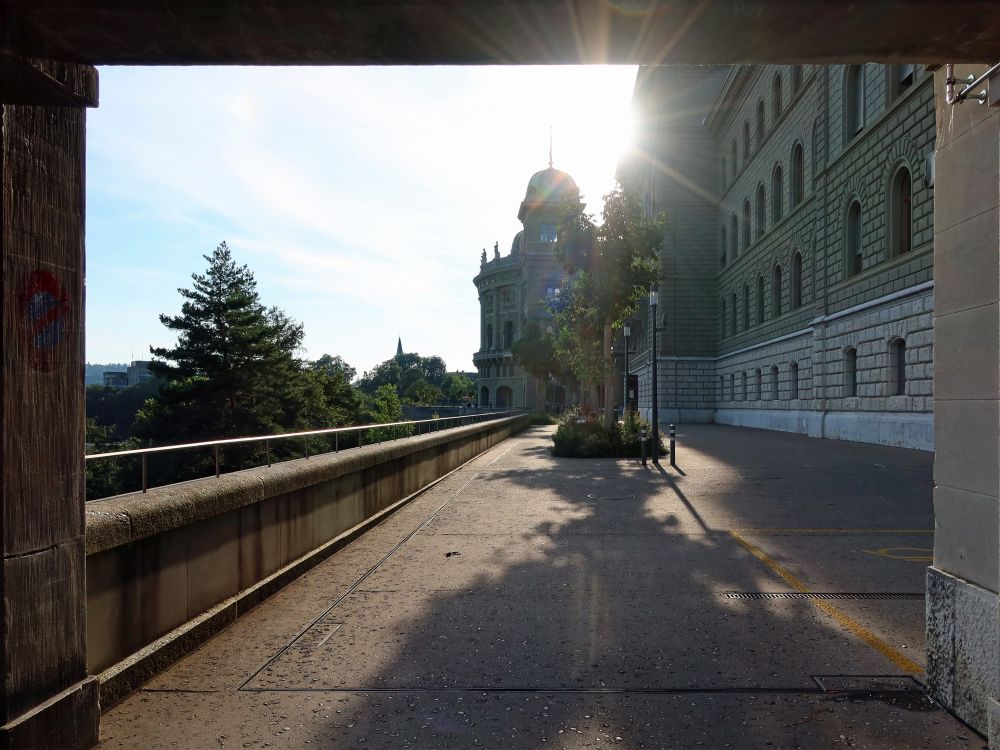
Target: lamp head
x,y
654,295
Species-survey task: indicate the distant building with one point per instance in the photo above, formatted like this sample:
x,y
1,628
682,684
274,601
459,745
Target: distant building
x,y
513,291
797,267
138,372
115,379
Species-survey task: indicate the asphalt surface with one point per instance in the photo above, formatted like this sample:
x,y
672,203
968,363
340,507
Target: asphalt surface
x,y
533,602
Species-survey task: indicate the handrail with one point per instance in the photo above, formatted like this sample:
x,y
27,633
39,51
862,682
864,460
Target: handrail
x,y
266,439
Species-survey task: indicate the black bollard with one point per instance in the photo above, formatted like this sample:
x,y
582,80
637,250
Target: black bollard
x,y
673,449
642,444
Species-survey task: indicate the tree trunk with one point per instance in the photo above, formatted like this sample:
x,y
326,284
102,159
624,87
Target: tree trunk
x,y
609,380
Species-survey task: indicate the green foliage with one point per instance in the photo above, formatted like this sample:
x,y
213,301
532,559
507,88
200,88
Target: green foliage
x,y
421,380
234,369
578,439
457,387
381,407
541,418
334,367
611,265
116,408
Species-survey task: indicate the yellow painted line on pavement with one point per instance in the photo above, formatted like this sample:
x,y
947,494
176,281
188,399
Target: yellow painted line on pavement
x,y
923,554
872,640
836,531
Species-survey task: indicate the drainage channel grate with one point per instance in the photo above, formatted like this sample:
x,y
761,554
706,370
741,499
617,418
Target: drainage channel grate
x,y
829,595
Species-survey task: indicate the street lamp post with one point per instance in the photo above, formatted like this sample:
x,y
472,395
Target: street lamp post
x,y
654,298
627,330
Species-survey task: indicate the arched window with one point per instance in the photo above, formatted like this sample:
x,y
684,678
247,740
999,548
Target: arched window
x,y
732,330
722,244
897,367
851,372
761,211
734,238
744,394
760,122
746,307
760,299
746,225
815,150
489,337
722,317
854,101
776,291
796,78
735,165
774,382
777,194
901,212
732,387
776,97
746,141
723,172
854,240
798,181
797,281
795,380
756,386
508,334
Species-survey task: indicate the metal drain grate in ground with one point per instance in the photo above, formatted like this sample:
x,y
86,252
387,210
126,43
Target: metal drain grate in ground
x,y
828,595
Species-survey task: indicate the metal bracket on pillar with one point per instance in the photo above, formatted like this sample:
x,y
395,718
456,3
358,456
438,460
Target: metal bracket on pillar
x,y
46,83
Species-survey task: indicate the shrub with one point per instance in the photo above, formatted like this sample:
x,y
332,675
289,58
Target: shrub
x,y
540,417
576,439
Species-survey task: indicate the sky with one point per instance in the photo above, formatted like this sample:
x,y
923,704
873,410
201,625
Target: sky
x,y
361,198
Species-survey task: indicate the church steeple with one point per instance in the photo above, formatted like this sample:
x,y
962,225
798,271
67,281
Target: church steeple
x,y
399,346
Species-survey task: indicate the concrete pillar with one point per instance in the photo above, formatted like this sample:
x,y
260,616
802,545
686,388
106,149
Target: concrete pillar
x,y
46,696
962,612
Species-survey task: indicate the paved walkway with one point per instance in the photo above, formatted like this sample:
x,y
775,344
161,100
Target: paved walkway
x,y
533,602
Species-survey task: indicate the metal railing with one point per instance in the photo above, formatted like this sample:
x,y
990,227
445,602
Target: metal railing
x,y
420,426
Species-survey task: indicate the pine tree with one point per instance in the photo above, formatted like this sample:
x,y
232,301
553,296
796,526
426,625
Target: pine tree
x,y
234,370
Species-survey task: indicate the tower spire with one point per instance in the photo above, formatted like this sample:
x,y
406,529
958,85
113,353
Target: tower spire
x,y
550,147
399,346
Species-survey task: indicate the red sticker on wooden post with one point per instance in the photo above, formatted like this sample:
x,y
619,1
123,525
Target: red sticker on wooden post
x,y
43,305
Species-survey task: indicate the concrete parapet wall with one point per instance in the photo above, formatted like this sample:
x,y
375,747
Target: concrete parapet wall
x,y
167,569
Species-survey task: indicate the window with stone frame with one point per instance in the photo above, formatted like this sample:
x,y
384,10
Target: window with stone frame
x,y
897,367
746,225
508,334
774,382
900,212
760,299
734,238
746,141
794,380
722,247
854,241
761,210
776,291
757,385
733,329
777,194
746,307
797,281
760,122
854,101
851,372
744,393
776,98
797,187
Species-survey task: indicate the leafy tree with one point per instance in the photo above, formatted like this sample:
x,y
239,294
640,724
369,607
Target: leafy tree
x,y
403,371
611,266
116,408
423,393
381,407
457,387
535,351
333,366
234,370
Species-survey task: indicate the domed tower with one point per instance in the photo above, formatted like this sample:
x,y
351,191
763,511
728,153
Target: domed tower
x,y
513,290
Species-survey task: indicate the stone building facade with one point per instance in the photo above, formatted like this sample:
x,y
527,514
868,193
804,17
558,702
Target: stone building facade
x,y
798,275
513,290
